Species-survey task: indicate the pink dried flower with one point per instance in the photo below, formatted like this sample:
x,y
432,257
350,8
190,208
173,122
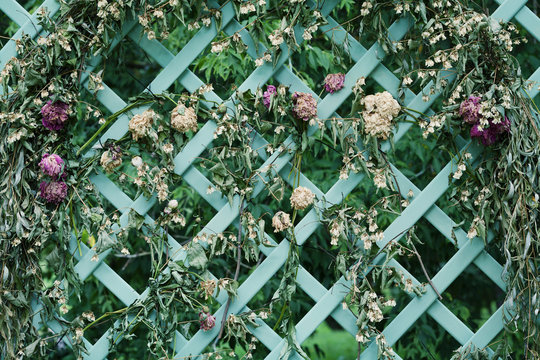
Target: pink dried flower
x,y
305,106
470,109
208,321
267,95
51,165
334,82
53,192
54,115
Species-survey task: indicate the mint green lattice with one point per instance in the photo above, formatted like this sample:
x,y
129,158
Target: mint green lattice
x,y
327,301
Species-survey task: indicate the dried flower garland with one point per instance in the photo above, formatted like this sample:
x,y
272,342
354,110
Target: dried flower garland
x,y
49,180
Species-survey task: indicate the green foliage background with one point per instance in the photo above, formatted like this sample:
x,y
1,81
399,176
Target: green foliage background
x,y
472,297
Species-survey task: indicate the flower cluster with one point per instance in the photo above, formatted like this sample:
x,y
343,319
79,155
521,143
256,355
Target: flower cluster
x,y
184,118
111,159
305,106
336,228
54,115
301,198
488,124
281,221
267,95
379,111
334,82
140,124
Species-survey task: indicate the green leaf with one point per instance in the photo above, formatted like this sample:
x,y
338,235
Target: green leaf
x,y
196,256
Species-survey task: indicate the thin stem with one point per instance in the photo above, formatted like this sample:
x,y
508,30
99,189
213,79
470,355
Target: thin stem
x,y
425,272
109,120
236,272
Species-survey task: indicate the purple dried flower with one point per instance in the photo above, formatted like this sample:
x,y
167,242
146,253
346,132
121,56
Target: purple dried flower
x,y
334,82
305,106
470,109
267,96
490,135
486,136
54,115
51,165
208,321
53,192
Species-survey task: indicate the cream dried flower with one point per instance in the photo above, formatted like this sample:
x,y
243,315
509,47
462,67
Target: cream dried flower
x,y
140,124
281,221
301,198
208,288
379,111
184,118
110,160
335,231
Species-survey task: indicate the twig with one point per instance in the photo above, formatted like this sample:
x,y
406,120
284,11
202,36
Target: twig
x,y
236,273
425,272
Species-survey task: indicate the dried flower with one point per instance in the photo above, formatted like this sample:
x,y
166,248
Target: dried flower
x,y
305,106
469,109
137,161
379,178
111,159
334,82
301,198
54,115
488,136
379,111
184,118
53,192
267,95
335,231
208,288
51,165
208,321
281,221
140,124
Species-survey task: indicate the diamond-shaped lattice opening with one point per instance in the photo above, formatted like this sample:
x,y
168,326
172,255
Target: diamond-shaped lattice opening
x,y
96,299
135,267
417,158
317,257
426,339
7,28
452,201
226,71
260,302
179,34
330,341
433,242
473,297
328,163
128,58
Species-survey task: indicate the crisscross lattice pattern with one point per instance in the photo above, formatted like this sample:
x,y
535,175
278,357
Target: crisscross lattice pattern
x,y
327,301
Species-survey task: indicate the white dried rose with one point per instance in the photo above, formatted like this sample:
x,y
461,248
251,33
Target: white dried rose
x,y
184,118
301,198
281,221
